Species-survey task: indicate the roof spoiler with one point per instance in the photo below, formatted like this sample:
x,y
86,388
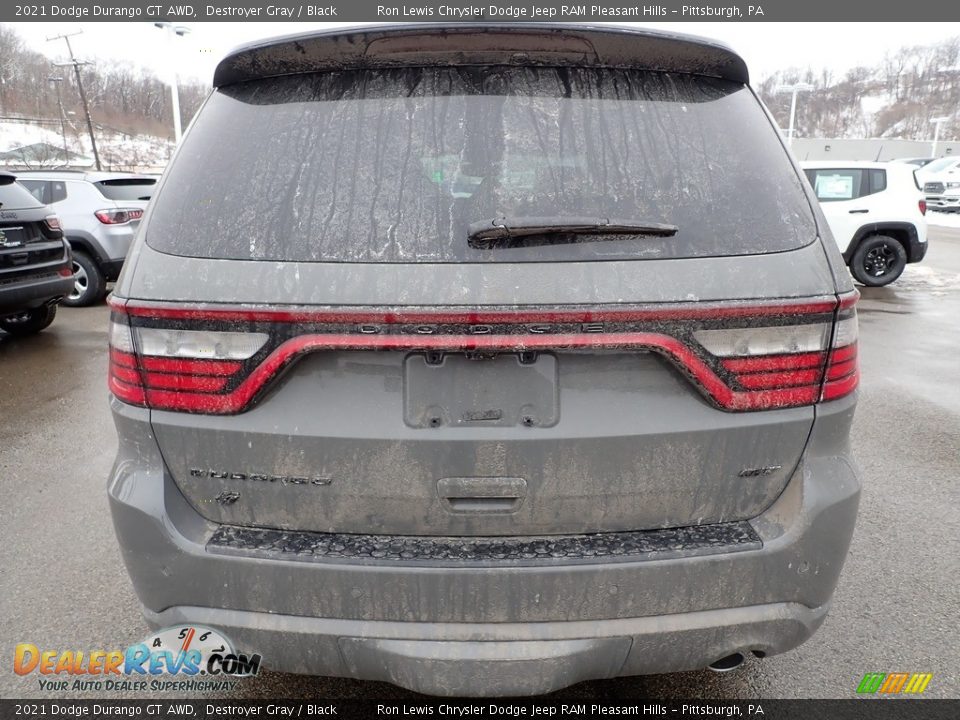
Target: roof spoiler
x,y
553,45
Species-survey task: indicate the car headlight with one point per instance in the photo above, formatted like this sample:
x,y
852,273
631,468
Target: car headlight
x,y
953,185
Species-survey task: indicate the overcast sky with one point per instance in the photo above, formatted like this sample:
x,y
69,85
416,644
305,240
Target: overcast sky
x,y
767,47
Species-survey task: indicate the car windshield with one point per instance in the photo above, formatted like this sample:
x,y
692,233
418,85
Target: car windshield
x,y
396,165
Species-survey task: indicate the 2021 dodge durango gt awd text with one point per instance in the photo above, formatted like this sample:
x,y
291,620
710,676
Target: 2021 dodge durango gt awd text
x,y
516,360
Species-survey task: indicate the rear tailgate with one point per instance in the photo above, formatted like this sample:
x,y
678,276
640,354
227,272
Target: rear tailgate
x,y
341,358
28,244
606,429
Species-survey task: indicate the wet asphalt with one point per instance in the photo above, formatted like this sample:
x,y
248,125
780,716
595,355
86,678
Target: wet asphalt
x,y
896,609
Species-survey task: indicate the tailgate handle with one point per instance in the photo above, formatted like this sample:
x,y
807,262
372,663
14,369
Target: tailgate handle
x,y
482,494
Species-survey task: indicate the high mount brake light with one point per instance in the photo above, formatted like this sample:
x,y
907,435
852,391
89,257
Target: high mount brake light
x,y
760,357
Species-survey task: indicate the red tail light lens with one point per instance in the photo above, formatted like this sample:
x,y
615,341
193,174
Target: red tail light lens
x,y
762,357
843,367
53,223
118,216
174,369
923,207
789,365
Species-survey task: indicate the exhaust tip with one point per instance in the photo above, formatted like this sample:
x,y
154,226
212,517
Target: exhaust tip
x,y
726,664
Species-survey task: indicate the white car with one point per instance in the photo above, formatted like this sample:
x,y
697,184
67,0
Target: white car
x,y
940,181
876,213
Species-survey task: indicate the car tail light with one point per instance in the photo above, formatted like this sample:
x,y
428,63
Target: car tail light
x,y
118,216
843,367
773,366
175,369
741,357
53,223
923,207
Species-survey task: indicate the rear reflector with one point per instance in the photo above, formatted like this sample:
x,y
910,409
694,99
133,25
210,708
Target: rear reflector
x,y
740,357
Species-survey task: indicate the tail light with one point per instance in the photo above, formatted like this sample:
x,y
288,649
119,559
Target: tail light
x,y
118,216
923,207
53,223
741,357
843,368
786,365
176,369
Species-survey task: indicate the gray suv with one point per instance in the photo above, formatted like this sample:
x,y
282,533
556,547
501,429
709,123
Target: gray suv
x,y
100,212
483,361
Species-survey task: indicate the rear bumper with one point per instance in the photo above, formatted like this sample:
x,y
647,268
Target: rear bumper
x,y
917,250
507,659
458,627
34,291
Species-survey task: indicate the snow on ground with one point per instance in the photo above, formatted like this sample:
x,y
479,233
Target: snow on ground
x,y
870,105
13,135
941,219
119,151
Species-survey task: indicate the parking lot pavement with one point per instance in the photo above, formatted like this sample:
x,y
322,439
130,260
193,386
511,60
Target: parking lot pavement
x,y
896,609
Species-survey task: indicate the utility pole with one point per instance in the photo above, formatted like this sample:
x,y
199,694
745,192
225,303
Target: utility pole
x,y
63,120
83,96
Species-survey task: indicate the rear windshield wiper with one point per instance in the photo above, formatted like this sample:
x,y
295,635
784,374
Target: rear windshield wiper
x,y
506,228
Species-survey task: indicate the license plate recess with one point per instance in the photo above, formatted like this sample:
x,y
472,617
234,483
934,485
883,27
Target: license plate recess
x,y
501,391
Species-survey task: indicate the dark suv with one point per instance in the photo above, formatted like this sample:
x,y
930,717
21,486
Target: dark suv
x,y
485,360
35,270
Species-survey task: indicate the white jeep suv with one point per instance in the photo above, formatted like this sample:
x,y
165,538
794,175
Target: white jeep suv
x,y
876,213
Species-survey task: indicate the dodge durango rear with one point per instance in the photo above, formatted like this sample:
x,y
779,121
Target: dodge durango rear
x,y
485,360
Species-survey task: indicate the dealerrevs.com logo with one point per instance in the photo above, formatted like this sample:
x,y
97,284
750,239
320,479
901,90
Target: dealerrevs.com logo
x,y
186,658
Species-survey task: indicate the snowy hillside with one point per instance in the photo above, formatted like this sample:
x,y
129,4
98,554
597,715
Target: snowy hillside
x,y
30,145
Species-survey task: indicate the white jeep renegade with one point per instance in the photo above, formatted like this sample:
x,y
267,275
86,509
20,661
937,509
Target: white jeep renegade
x,y
876,213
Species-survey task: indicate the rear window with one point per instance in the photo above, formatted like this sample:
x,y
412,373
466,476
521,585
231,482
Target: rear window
x,y
395,165
127,189
13,196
